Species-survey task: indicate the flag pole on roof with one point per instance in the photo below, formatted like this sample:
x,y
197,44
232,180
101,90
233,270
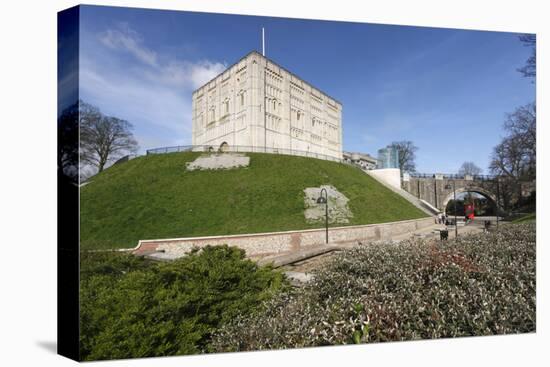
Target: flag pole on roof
x,y
263,42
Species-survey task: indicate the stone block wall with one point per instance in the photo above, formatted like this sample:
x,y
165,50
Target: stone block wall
x,y
265,244
257,103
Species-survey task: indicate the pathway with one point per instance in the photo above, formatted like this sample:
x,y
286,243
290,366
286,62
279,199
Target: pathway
x,y
299,267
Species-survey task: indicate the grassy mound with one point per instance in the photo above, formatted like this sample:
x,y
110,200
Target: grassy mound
x,y
156,197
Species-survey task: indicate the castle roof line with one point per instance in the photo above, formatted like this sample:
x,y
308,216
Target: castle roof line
x,y
273,62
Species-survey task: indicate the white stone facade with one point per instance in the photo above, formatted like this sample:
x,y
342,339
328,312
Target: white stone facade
x,y
256,103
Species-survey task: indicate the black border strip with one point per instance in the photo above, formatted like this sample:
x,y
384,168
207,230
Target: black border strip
x,y
68,264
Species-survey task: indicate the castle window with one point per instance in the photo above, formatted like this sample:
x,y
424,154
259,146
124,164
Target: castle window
x,y
242,98
212,114
226,106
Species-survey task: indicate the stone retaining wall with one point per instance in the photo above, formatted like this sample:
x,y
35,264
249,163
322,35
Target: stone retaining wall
x,y
264,244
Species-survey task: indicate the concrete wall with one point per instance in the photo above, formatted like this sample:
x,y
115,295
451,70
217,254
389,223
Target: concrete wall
x,y
263,244
257,103
391,176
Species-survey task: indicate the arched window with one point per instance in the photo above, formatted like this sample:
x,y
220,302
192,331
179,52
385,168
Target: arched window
x,y
212,114
226,106
242,98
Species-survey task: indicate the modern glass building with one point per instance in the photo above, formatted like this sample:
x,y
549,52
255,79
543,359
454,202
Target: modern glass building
x,y
387,158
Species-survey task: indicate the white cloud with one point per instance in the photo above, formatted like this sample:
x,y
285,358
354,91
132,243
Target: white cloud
x,y
205,71
176,72
137,100
153,93
185,74
126,39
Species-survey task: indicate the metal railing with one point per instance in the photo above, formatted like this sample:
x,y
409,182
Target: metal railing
x,y
242,149
453,176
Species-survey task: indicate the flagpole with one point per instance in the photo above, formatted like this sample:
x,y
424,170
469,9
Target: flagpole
x,y
263,42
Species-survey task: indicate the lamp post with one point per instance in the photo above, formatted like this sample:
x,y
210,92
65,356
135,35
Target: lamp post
x,y
498,200
448,187
324,200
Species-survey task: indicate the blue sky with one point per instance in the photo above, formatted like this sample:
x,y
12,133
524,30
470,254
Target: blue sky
x,y
446,90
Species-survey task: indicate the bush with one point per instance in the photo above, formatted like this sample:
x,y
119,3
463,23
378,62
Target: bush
x,y
131,307
477,285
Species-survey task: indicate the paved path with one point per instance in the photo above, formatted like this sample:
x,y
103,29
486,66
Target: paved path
x,y
298,267
299,255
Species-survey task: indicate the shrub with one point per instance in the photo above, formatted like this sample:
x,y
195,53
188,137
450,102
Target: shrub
x,y
131,307
477,285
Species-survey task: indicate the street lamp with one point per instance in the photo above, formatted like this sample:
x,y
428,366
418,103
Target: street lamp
x,y
498,199
324,200
448,187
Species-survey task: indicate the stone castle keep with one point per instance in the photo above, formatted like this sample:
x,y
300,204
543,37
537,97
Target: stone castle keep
x,y
258,104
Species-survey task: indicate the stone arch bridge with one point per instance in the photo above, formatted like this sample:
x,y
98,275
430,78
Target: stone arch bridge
x,y
437,189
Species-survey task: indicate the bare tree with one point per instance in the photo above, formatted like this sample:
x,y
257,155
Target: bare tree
x,y
469,168
507,159
516,155
521,126
103,139
406,155
530,68
67,143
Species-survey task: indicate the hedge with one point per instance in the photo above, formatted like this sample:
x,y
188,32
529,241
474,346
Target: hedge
x,y
476,285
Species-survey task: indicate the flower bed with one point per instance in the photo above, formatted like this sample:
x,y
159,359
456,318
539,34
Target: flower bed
x,y
477,285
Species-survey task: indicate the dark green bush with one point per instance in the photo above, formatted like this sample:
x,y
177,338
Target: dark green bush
x,y
131,307
477,285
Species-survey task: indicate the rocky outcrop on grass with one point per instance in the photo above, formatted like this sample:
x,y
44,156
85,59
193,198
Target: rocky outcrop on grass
x,y
338,209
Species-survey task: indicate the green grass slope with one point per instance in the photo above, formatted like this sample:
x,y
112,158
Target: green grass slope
x,y
156,197
531,217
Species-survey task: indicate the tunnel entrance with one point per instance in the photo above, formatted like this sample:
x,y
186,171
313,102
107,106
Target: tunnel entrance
x,y
483,205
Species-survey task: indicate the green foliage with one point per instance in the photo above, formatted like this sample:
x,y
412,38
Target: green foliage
x,y
477,285
531,217
155,197
133,308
